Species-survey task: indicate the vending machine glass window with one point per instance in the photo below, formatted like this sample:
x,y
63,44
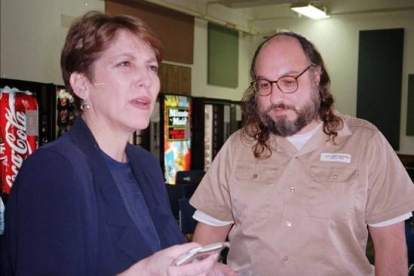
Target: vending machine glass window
x,y
154,130
66,111
226,125
177,135
208,136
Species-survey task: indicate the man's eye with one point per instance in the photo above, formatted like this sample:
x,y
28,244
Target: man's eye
x,y
287,81
263,84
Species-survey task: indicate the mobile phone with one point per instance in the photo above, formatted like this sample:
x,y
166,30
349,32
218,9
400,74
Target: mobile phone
x,y
200,252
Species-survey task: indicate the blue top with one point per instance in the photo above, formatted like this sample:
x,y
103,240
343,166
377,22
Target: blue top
x,y
66,216
133,200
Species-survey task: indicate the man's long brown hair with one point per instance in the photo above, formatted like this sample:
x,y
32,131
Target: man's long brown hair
x,y
255,130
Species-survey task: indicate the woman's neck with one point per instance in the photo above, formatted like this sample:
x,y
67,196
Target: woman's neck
x,y
111,141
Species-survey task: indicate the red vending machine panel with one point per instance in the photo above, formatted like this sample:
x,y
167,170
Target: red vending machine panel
x,y
19,132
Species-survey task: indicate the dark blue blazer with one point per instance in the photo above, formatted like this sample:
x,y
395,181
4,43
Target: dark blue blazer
x,y
65,215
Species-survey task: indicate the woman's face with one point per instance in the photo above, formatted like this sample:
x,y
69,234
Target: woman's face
x,y
124,85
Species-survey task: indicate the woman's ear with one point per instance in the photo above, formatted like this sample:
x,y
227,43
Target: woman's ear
x,y
79,83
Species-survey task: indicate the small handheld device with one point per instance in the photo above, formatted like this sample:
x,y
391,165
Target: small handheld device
x,y
200,252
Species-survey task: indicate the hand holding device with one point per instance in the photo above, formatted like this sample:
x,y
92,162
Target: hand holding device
x,y
200,252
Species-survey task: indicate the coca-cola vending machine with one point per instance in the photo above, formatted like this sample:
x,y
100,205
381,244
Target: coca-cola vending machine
x,y
21,129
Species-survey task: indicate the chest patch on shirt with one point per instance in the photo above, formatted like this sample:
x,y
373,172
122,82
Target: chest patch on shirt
x,y
336,157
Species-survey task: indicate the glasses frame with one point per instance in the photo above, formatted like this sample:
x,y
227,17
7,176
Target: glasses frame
x,y
276,81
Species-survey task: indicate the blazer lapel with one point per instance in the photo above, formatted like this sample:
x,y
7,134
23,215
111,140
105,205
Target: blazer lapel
x,y
129,238
154,192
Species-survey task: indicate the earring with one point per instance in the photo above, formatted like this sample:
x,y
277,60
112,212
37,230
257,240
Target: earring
x,y
84,106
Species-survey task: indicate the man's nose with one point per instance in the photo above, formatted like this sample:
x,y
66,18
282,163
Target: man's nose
x,y
276,96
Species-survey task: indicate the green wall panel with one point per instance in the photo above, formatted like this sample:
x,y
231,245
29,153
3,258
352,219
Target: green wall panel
x,y
379,86
223,56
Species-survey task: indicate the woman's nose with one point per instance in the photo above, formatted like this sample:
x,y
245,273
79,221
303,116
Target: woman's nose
x,y
143,77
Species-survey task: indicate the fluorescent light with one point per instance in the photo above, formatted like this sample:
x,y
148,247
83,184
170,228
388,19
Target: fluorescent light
x,y
310,11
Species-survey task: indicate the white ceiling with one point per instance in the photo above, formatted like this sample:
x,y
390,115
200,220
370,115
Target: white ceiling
x,y
280,9
244,15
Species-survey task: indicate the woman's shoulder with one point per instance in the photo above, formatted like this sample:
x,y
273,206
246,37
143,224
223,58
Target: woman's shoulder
x,y
57,166
58,153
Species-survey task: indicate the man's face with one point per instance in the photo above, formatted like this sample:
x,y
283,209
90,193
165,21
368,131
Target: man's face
x,y
294,113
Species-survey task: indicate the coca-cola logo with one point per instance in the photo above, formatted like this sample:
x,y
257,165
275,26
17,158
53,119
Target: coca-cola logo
x,y
17,141
3,157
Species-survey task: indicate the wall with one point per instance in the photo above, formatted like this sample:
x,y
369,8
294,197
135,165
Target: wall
x,y
33,33
32,36
200,87
337,40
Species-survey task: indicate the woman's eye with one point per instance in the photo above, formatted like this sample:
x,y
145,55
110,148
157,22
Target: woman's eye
x,y
154,68
124,64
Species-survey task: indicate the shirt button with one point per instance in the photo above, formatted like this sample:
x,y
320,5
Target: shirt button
x,y
292,189
255,176
285,258
335,176
288,223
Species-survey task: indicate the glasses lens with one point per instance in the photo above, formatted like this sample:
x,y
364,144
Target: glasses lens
x,y
288,84
263,87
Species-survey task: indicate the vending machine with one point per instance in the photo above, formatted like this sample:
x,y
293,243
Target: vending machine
x,y
168,136
211,128
236,116
176,128
66,112
20,127
37,112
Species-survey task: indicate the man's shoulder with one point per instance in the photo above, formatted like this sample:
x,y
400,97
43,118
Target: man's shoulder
x,y
357,124
241,138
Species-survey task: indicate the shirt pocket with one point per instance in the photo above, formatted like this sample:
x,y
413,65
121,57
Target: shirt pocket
x,y
332,191
252,191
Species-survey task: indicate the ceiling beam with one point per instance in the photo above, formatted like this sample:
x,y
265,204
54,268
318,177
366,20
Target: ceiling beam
x,y
250,3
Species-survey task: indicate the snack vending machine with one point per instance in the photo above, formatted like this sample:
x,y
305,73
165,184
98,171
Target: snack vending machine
x,y
66,111
212,125
236,116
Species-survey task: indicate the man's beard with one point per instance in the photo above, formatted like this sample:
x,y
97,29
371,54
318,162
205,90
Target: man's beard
x,y
282,126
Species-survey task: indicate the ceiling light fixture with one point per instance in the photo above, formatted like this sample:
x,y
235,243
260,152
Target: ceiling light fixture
x,y
310,11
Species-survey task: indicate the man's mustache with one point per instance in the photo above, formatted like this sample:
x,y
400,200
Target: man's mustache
x,y
280,106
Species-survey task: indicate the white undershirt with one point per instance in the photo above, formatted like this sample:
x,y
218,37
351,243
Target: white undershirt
x,y
298,141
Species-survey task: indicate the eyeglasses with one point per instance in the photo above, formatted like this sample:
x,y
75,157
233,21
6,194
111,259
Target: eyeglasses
x,y
286,84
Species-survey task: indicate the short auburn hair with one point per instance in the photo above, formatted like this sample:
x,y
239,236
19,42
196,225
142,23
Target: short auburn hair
x,y
92,34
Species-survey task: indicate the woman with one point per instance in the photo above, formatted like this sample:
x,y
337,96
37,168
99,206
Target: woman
x,y
90,203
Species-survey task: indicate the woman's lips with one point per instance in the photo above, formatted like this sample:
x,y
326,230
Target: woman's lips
x,y
142,103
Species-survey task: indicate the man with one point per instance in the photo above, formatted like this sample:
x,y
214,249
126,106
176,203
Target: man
x,y
295,189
